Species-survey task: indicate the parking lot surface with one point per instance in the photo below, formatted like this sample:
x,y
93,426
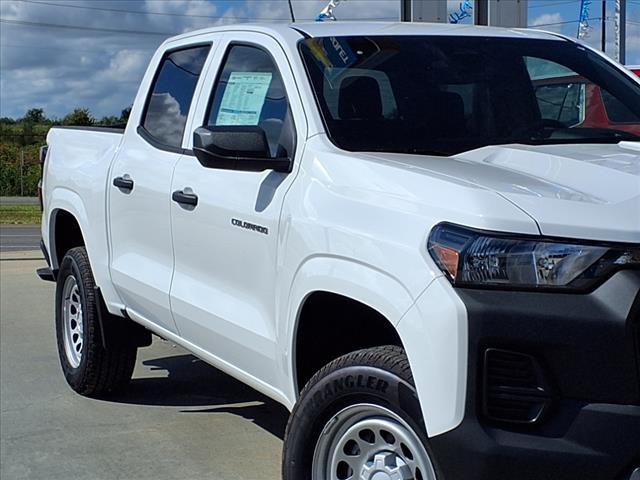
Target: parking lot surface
x,y
180,418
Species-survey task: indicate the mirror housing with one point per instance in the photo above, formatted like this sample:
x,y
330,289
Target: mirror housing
x,y
236,148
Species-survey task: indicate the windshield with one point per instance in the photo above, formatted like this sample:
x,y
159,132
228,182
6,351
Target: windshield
x,y
446,95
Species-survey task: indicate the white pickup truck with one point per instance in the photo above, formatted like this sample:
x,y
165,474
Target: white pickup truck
x,y
415,237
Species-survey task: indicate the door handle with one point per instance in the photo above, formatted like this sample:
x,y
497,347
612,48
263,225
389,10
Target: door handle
x,y
123,183
185,198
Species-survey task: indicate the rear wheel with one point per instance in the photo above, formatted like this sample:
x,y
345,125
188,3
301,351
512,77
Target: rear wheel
x,y
359,419
89,368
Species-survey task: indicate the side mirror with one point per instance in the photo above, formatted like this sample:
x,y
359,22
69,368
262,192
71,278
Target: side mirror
x,y
236,148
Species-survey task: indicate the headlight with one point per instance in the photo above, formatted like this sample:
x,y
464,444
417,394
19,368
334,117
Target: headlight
x,y
476,258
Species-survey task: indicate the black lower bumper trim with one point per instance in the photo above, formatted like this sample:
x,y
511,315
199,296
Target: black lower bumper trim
x,y
588,349
602,443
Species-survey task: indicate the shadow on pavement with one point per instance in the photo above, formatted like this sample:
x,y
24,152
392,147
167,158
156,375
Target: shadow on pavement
x,y
193,383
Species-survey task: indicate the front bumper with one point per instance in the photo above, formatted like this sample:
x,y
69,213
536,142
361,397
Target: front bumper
x,y
585,352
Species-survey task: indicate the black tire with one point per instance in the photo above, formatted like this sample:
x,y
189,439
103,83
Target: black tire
x,y
99,370
380,376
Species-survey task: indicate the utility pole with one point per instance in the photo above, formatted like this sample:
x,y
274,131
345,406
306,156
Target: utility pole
x,y
405,11
21,172
481,13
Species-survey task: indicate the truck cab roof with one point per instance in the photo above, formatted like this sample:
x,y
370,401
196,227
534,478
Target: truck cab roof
x,y
291,32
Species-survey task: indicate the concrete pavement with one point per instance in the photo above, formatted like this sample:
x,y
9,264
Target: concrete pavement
x,y
180,418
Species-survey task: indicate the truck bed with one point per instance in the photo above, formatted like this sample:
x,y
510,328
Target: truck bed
x,y
76,179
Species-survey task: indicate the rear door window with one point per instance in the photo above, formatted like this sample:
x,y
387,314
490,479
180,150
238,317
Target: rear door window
x,y
168,105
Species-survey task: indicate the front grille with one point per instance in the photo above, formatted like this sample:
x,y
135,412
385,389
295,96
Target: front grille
x,y
515,388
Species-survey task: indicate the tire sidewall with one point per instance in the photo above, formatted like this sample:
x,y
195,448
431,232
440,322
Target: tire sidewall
x,y
342,388
69,267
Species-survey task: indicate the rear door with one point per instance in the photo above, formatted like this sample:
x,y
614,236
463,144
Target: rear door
x,y
140,187
224,287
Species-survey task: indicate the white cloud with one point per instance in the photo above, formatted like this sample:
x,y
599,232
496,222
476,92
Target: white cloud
x,y
546,18
127,65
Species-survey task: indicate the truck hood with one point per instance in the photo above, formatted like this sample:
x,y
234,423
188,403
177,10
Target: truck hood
x,y
574,191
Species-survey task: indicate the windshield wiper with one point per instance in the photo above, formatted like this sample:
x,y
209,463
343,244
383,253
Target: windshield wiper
x,y
412,151
541,136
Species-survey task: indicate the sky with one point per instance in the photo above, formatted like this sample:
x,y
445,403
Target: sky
x,y
98,59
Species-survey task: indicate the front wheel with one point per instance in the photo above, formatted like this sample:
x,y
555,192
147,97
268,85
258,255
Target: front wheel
x,y
359,419
89,368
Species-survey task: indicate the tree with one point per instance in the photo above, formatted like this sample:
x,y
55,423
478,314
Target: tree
x,y
110,120
35,115
27,134
79,117
124,116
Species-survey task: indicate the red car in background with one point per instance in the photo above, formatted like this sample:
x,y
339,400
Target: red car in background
x,y
635,69
575,102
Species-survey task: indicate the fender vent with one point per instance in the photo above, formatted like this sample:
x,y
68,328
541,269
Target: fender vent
x,y
515,390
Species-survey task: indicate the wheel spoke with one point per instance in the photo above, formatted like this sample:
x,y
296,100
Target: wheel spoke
x,y
72,325
351,461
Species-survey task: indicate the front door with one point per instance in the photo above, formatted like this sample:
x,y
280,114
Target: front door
x,y
223,293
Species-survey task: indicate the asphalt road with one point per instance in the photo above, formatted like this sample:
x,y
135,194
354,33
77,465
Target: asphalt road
x,y
180,418
15,238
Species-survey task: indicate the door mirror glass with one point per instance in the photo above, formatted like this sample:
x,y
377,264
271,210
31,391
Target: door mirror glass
x,y
234,147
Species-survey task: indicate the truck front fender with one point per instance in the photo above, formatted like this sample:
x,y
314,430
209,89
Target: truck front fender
x,y
434,333
342,276
432,329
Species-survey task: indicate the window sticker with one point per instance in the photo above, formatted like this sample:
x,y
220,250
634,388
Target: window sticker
x,y
244,98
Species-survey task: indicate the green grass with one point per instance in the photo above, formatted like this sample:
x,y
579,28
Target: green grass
x,y
20,214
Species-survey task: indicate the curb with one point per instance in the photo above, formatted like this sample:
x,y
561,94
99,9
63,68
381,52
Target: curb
x,y
21,255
